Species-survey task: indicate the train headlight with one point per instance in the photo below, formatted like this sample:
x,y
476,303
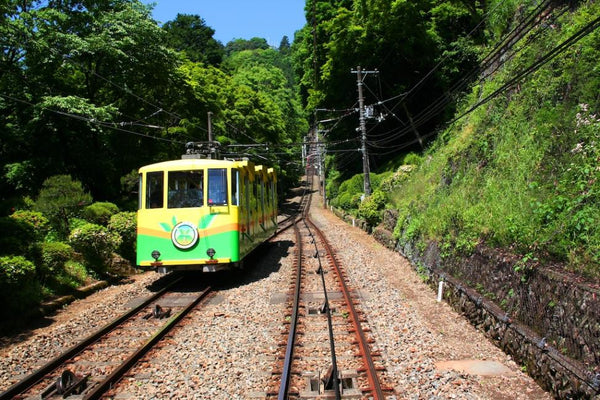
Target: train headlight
x,y
211,253
156,255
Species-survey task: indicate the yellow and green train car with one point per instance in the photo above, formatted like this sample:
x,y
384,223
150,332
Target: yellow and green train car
x,y
203,214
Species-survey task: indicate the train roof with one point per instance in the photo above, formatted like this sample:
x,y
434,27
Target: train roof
x,y
192,163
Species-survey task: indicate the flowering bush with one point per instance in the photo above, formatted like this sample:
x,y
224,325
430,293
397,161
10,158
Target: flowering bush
x,y
96,243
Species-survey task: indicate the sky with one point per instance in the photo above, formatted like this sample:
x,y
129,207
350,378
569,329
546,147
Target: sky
x,y
239,19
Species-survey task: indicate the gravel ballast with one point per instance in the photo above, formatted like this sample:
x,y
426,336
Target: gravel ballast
x,y
228,348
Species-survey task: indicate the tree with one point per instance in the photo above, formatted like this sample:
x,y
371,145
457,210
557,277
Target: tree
x,y
191,35
419,47
237,45
84,80
60,199
285,47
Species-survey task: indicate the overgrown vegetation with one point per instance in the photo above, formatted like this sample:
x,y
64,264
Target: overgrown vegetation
x,y
522,171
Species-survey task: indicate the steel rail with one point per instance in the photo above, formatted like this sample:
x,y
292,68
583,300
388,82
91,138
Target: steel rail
x,y
327,309
114,377
289,351
30,380
372,377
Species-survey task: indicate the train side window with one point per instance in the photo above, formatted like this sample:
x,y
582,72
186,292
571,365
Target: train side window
x,y
154,189
217,186
185,189
235,193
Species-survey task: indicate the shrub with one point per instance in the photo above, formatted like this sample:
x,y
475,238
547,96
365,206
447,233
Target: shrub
x,y
96,243
53,258
19,290
16,236
370,209
412,159
34,220
72,276
99,213
125,224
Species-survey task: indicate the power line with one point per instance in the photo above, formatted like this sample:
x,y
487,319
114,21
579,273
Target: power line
x,y
439,104
94,121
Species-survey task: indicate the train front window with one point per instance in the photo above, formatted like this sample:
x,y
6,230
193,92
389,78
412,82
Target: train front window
x,y
217,187
154,189
185,189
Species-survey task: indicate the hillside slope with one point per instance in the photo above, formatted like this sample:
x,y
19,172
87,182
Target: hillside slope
x,y
519,169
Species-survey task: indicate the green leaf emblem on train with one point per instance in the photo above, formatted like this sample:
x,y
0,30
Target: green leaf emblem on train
x,y
184,235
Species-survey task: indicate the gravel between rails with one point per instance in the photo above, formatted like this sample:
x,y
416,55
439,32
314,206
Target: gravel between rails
x,y
227,349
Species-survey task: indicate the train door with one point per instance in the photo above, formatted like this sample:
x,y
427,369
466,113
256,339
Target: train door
x,y
248,212
217,187
263,205
235,184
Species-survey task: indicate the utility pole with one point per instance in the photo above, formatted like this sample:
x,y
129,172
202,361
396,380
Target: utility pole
x,y
322,151
363,128
210,135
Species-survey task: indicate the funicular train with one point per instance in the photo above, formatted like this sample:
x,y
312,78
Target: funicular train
x,y
203,214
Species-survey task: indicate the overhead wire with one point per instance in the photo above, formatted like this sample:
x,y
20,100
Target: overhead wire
x,y
439,104
444,99
105,124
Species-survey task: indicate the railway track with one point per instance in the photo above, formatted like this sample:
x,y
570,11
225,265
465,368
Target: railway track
x,y
327,349
92,367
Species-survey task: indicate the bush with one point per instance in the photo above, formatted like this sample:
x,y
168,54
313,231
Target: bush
x,y
99,213
19,290
412,159
96,243
53,258
370,209
72,276
16,236
34,220
125,224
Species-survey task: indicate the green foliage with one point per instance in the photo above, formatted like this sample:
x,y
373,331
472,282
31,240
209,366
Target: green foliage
x,y
412,159
99,213
19,291
20,175
370,209
96,243
238,45
349,193
125,224
60,199
521,173
54,255
36,222
191,35
17,236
